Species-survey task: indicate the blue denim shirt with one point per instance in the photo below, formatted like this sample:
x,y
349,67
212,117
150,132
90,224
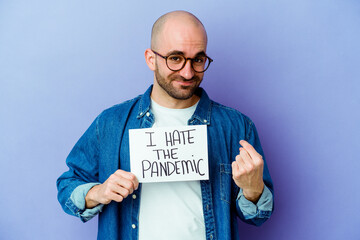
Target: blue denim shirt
x,y
104,148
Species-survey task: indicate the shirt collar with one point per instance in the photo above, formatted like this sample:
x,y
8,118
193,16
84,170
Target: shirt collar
x,y
202,112
145,101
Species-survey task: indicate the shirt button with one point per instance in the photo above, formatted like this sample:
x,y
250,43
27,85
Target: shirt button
x,y
133,226
147,114
205,121
134,196
207,207
211,236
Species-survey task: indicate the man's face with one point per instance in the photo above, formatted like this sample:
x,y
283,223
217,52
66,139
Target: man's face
x,y
188,41
176,85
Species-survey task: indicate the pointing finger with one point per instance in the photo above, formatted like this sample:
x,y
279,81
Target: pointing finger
x,y
250,149
247,160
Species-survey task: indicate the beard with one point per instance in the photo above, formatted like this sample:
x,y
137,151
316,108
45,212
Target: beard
x,y
182,93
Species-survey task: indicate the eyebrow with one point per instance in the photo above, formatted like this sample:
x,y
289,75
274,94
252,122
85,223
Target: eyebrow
x,y
202,53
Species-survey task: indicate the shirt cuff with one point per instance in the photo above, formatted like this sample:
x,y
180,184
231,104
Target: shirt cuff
x,y
78,200
261,209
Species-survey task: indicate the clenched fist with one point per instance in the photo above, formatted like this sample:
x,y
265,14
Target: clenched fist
x,y
117,187
247,171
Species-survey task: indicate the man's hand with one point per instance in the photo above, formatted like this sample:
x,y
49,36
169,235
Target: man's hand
x,y
117,187
247,172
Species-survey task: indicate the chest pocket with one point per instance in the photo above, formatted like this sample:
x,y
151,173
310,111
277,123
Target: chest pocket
x,y
225,182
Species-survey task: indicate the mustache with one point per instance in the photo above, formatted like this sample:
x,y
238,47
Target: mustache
x,y
180,78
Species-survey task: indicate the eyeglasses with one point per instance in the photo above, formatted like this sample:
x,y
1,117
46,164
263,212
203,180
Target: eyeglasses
x,y
176,62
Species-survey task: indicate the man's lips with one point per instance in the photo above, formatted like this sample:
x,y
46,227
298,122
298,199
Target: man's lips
x,y
185,83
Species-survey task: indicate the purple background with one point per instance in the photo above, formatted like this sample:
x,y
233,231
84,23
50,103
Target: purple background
x,y
292,66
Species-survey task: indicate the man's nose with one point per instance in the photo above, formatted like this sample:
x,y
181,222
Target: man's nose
x,y
187,72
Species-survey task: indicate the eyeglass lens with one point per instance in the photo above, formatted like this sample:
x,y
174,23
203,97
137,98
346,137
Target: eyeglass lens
x,y
177,62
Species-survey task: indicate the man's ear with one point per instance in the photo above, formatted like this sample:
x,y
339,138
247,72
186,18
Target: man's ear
x,y
150,59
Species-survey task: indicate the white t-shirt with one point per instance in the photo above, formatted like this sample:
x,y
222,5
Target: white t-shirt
x,y
171,210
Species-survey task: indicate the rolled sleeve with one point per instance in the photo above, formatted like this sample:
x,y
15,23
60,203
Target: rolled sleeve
x,y
262,209
76,202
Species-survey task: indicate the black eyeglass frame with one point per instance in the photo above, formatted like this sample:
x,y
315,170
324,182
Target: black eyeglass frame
x,y
186,59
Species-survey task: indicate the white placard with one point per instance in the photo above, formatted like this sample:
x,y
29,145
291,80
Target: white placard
x,y
169,153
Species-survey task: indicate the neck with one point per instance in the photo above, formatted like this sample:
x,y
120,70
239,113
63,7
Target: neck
x,y
161,97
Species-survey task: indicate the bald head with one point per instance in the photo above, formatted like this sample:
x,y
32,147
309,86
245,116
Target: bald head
x,y
174,19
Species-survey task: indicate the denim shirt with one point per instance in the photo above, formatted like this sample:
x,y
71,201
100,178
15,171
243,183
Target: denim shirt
x,y
104,148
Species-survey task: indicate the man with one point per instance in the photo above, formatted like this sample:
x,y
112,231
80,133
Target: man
x,y
99,180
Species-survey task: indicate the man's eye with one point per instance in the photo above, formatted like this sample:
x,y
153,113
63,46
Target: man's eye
x,y
175,58
199,60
